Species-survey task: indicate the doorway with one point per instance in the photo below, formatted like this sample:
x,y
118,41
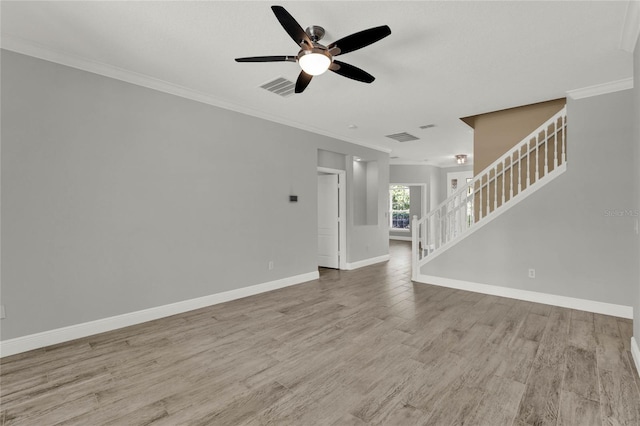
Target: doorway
x,y
331,218
400,216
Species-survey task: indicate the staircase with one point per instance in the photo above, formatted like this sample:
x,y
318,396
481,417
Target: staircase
x,y
535,161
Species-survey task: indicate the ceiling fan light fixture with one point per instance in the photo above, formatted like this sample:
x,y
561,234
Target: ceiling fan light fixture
x,y
315,61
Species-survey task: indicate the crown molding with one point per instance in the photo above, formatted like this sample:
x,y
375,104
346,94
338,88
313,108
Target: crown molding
x,y
601,89
631,27
439,165
35,50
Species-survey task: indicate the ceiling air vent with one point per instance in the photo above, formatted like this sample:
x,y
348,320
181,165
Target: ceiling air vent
x,y
280,86
403,137
427,126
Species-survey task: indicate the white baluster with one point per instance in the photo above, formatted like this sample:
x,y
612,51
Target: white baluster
x,y
445,223
555,145
503,174
469,220
546,151
447,226
564,138
441,227
537,156
528,166
425,234
481,205
519,172
455,217
495,188
459,216
510,177
431,226
416,252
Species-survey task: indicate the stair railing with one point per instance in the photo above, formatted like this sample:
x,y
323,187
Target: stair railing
x,y
507,179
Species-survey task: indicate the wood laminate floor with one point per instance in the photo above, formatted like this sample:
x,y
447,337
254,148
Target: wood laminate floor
x,y
353,348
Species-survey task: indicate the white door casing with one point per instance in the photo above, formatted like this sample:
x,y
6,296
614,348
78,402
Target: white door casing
x,y
328,219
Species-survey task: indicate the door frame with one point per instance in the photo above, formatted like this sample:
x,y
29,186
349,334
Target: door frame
x,y
342,212
423,196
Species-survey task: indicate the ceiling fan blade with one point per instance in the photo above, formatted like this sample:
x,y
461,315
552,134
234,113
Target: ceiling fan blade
x,y
267,59
351,72
303,81
359,40
291,26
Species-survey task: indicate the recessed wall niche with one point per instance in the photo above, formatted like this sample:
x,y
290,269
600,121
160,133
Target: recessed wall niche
x,y
365,190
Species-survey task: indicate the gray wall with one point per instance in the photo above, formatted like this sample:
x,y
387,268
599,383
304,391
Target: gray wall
x,y
373,193
419,174
117,198
563,230
331,160
636,180
442,194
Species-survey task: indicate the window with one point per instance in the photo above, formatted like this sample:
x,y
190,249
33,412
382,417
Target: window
x,y
399,200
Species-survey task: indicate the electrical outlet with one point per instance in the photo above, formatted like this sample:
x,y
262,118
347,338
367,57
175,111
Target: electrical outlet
x,y
532,273
2,312
270,264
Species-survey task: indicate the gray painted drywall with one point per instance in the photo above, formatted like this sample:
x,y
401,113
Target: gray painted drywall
x,y
360,193
434,177
118,198
415,195
563,230
429,175
331,160
636,180
442,193
370,237
373,191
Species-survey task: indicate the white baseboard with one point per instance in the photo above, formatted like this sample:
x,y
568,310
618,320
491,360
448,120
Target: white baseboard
x,y
399,238
367,262
621,311
635,353
65,334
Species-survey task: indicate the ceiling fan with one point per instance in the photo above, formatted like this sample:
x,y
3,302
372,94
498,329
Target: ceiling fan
x,y
315,58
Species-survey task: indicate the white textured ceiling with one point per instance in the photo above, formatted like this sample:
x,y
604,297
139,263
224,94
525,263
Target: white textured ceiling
x,y
443,60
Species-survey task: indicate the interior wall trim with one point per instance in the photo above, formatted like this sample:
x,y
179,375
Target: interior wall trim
x,y
621,311
28,48
366,262
399,238
601,89
635,353
77,331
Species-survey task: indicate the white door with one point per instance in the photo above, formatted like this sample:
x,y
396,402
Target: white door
x,y
328,235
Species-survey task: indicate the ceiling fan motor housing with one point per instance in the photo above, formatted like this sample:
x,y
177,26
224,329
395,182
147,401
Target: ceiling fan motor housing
x,y
315,32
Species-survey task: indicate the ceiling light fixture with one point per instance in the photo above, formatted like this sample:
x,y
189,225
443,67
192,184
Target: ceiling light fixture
x,y
314,61
315,58
461,158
